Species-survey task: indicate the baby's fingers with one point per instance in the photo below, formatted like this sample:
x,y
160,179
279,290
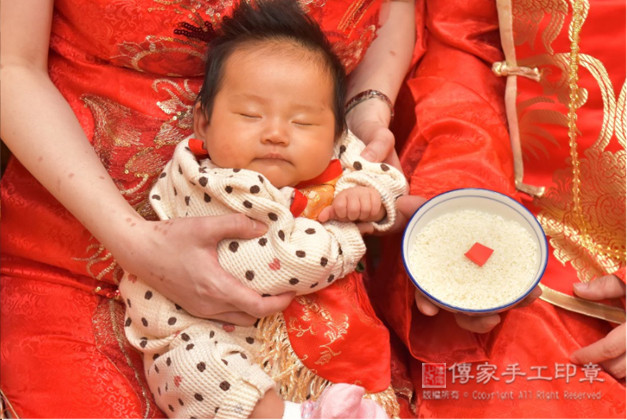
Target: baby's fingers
x,y
365,210
326,214
377,211
340,207
353,208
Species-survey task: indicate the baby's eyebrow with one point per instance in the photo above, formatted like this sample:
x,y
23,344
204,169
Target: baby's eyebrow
x,y
305,107
297,106
250,97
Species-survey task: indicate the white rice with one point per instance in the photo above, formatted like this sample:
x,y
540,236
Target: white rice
x,y
438,263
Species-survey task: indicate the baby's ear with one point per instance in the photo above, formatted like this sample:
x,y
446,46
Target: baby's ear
x,y
201,121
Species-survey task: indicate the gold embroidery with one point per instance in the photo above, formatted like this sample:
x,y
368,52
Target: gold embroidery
x,y
112,343
118,132
528,15
295,382
586,225
132,54
180,106
335,330
353,15
620,125
117,127
96,258
9,410
305,4
350,54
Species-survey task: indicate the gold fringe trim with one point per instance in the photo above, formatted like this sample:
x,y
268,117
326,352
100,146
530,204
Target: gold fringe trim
x,y
295,382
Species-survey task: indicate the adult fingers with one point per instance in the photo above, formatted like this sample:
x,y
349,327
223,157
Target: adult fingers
x,y
615,366
424,305
234,226
609,347
236,318
365,228
478,324
247,300
406,206
393,160
380,147
605,287
485,323
530,298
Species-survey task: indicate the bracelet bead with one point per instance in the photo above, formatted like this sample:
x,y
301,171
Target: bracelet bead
x,y
369,94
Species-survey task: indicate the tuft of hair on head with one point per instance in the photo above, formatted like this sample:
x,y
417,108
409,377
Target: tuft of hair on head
x,y
273,21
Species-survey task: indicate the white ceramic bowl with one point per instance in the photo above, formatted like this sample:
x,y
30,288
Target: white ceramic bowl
x,y
480,200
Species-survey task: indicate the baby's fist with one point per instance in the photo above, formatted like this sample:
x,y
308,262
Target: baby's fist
x,y
358,204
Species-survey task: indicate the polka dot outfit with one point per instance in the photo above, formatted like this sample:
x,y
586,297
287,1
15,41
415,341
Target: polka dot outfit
x,y
206,369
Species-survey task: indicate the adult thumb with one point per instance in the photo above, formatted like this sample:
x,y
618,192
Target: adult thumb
x,y
380,147
236,226
606,287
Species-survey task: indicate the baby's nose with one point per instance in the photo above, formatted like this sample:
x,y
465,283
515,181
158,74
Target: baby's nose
x,y
276,132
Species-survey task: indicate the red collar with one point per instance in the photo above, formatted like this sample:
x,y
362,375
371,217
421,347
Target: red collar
x,y
333,171
299,204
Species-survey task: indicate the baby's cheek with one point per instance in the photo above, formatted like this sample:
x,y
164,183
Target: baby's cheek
x,y
228,156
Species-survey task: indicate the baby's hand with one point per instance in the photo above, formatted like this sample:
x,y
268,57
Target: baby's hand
x,y
358,204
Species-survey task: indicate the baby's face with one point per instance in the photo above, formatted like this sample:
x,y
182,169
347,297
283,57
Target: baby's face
x,y
272,115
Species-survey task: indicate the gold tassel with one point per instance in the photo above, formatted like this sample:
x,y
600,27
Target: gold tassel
x,y
295,382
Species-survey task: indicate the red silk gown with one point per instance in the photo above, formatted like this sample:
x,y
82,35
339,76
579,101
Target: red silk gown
x,y
131,70
458,137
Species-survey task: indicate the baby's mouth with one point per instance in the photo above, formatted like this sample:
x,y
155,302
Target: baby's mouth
x,y
273,156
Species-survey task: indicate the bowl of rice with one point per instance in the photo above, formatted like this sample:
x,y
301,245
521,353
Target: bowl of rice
x,y
439,244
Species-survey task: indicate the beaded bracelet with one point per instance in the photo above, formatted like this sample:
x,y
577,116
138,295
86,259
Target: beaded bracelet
x,y
369,94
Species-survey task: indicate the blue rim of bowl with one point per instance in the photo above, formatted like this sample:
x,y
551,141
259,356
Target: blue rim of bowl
x,y
477,311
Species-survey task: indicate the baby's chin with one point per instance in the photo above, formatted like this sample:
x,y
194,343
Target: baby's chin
x,y
276,175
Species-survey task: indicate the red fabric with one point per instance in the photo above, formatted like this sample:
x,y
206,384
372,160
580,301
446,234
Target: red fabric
x,y
333,171
460,139
299,204
130,70
56,335
344,341
197,147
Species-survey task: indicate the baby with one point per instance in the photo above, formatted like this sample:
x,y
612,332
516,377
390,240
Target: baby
x,y
270,142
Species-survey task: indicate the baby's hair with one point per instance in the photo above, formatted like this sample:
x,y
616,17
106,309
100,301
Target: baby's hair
x,y
274,21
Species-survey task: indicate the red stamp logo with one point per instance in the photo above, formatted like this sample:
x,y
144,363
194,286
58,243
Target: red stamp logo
x,y
434,375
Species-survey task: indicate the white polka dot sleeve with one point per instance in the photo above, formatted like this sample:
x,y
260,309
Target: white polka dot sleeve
x,y
387,180
296,254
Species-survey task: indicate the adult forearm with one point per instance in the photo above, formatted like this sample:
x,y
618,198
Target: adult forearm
x,y
42,131
387,60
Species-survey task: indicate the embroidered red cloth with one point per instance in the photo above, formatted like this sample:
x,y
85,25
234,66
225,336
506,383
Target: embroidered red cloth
x,y
130,70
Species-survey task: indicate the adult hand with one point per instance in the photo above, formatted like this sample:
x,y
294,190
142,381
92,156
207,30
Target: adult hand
x,y
407,206
178,257
477,323
369,121
608,351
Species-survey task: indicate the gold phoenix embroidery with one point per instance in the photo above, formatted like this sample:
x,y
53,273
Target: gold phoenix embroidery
x,y
586,225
